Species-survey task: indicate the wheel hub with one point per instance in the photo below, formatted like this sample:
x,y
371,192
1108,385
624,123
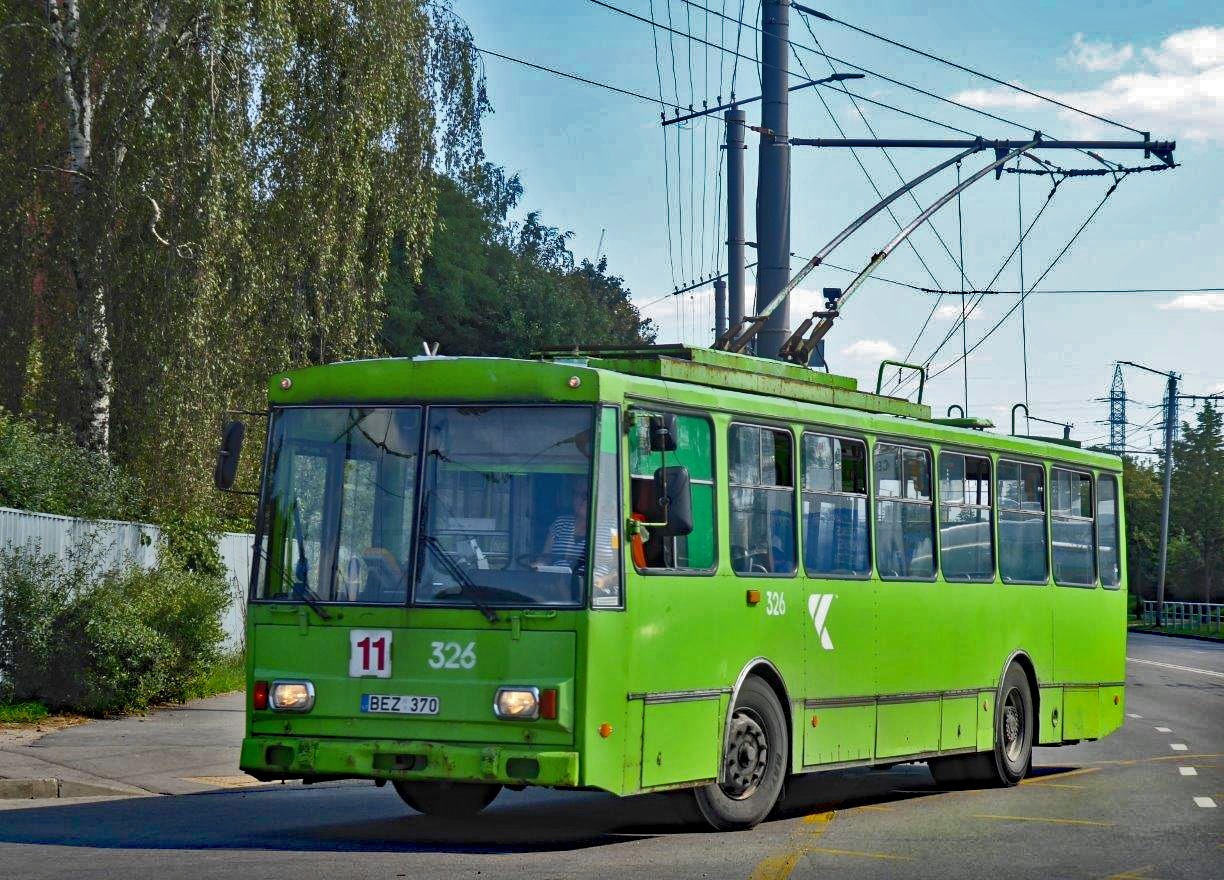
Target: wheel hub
x,y
747,756
1013,726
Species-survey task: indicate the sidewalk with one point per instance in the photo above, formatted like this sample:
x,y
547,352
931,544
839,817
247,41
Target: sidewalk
x,y
189,748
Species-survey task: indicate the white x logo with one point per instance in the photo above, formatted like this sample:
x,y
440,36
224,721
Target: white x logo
x,y
818,610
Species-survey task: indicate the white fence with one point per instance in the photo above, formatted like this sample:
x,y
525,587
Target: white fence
x,y
1196,616
123,543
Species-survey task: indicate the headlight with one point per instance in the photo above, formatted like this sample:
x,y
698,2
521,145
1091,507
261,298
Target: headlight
x,y
517,702
292,696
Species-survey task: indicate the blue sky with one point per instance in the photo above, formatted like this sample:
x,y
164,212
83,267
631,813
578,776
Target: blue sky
x,y
594,162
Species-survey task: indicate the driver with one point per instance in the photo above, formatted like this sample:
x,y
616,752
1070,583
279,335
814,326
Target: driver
x,y
567,536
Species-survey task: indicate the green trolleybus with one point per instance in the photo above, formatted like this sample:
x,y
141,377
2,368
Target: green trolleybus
x,y
667,568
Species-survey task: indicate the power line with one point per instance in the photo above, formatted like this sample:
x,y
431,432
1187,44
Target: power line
x,y
1109,192
807,11
1155,291
582,79
887,154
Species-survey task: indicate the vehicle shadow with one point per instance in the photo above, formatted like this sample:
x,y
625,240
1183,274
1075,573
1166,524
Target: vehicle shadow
x,y
351,817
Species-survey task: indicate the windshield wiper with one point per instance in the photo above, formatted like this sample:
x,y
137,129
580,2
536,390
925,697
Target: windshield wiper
x,y
301,568
466,587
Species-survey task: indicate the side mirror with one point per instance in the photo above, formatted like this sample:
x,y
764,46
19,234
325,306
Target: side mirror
x,y
673,501
227,456
663,433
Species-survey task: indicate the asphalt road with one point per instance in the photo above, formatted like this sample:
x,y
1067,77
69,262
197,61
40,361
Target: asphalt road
x,y
1121,808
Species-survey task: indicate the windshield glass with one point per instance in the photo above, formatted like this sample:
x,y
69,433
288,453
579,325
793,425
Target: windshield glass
x,y
505,506
341,494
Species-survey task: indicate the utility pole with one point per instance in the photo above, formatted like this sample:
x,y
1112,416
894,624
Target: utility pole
x,y
736,120
720,307
1170,430
773,176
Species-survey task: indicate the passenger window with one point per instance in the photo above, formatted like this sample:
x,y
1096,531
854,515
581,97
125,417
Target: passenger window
x,y
694,451
905,516
1108,559
1071,528
836,531
762,500
966,545
1022,525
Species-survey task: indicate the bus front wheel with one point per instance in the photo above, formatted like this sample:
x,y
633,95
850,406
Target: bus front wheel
x,y
449,800
754,763
1009,761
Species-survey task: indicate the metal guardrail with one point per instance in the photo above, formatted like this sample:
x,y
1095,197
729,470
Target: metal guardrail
x,y
1199,617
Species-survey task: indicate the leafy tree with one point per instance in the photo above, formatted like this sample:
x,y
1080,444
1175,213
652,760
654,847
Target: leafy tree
x,y
494,286
1197,505
196,194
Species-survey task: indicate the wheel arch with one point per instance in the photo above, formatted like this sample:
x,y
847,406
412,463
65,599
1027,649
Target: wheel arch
x,y
764,669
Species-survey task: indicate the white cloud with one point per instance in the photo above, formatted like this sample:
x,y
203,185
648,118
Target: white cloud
x,y
1195,302
1180,91
869,350
1098,57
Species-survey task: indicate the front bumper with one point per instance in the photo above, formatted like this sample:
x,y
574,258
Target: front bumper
x,y
294,757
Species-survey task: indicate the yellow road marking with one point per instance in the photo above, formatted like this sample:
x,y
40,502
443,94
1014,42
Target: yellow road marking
x,y
1054,785
1038,780
1046,819
780,866
875,808
241,781
1132,874
851,852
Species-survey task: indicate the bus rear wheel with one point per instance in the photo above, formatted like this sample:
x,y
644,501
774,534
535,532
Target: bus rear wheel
x,y
449,800
754,763
1009,761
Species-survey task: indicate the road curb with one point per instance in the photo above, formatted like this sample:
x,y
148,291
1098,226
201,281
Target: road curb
x,y
50,787
1169,635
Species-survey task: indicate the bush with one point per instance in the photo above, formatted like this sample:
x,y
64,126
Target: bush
x,y
45,471
99,643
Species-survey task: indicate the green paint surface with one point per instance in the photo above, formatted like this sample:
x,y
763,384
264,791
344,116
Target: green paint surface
x,y
942,645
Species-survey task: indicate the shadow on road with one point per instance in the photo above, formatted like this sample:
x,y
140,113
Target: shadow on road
x,y
359,817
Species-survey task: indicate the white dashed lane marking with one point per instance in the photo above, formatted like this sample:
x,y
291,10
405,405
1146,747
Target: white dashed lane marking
x,y
1193,669
1179,747
1133,715
1187,771
1164,729
1205,802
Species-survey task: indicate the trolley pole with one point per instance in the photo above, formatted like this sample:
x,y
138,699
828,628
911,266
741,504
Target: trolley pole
x,y
735,120
1170,430
720,307
773,177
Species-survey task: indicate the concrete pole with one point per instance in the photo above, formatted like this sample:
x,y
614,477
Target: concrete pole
x,y
1170,430
773,177
736,121
720,307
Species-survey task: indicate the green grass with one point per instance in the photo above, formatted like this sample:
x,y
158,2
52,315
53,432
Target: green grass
x,y
22,713
226,676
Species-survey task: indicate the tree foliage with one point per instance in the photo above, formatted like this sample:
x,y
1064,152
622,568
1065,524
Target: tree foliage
x,y
495,286
1196,524
198,193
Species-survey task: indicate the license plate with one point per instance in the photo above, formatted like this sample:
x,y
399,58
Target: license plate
x,y
399,704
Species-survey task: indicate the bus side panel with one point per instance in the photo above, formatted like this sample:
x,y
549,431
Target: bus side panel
x,y
680,742
907,728
845,733
1050,721
608,762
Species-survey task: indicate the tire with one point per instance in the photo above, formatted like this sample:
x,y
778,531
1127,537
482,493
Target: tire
x,y
755,763
1012,756
448,800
